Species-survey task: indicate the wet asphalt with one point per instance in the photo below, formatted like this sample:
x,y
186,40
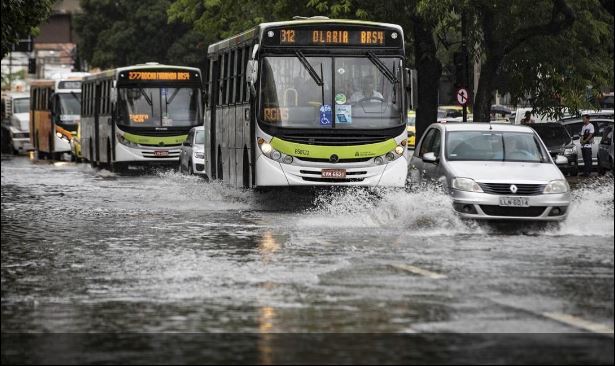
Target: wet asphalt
x,y
97,258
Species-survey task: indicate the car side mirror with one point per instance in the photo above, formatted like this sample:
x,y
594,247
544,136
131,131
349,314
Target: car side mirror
x,y
430,157
561,159
186,143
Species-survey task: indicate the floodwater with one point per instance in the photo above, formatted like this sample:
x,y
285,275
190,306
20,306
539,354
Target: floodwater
x,y
87,251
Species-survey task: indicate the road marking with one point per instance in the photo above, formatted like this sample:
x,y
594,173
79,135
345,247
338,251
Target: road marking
x,y
579,323
418,271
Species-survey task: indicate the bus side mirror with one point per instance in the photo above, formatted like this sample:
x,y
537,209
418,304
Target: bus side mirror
x,y
251,75
407,82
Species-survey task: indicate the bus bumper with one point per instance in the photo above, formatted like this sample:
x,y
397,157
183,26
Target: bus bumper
x,y
273,173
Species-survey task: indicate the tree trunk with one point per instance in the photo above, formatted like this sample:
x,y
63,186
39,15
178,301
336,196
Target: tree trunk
x,y
486,87
429,70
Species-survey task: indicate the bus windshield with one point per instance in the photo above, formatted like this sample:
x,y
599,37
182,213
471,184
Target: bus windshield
x,y
354,92
159,107
70,103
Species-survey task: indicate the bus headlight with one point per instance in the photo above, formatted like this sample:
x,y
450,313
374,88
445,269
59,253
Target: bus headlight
x,y
276,155
556,186
287,159
399,150
466,184
378,160
266,148
125,142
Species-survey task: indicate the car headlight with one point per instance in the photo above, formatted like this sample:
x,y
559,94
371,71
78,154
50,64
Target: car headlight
x,y
570,150
466,184
199,155
557,186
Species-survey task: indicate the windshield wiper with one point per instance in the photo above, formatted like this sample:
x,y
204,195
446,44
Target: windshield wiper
x,y
383,69
147,99
309,69
170,100
76,96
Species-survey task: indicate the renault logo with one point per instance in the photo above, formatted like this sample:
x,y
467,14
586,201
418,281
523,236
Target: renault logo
x,y
513,188
334,158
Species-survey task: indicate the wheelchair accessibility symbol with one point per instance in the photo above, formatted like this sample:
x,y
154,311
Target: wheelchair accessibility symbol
x,y
326,115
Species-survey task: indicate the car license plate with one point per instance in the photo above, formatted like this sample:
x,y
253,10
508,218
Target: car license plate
x,y
333,173
161,153
514,202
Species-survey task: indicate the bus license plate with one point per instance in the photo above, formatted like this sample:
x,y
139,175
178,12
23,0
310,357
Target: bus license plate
x,y
333,173
514,202
161,153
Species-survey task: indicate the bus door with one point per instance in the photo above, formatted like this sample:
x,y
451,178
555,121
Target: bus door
x,y
97,96
213,96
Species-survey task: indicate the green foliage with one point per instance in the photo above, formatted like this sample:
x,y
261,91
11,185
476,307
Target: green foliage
x,y
20,19
550,69
118,33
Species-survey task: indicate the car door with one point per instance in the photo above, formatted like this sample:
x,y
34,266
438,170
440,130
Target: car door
x,y
185,151
418,166
605,145
431,170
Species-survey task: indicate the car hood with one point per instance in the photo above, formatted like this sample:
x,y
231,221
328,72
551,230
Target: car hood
x,y
505,171
198,148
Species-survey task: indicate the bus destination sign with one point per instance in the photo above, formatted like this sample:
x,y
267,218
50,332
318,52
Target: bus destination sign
x,y
333,37
159,76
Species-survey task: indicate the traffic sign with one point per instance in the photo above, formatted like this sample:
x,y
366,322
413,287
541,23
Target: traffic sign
x,y
462,96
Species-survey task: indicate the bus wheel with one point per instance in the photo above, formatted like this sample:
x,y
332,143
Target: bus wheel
x,y
246,169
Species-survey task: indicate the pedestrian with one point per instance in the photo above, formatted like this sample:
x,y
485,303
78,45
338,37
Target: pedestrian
x,y
527,119
587,141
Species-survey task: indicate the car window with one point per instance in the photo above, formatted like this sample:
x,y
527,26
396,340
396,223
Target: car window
x,y
435,143
601,126
427,142
574,128
608,132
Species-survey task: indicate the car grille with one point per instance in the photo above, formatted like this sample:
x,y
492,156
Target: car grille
x,y
504,188
493,210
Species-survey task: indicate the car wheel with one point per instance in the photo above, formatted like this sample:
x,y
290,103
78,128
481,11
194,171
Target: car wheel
x,y
601,169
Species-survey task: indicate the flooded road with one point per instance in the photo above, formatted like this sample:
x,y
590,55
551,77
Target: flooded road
x,y
84,251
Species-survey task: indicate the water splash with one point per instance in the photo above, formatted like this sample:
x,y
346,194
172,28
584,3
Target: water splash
x,y
591,210
427,211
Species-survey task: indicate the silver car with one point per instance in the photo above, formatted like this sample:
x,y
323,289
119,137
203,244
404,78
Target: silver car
x,y
574,125
192,155
493,171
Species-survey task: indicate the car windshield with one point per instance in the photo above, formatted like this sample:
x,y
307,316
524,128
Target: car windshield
x,y
159,107
494,146
70,103
362,96
199,139
552,134
21,105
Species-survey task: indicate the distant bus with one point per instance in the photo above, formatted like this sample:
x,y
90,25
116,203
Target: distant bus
x,y
55,106
139,115
312,102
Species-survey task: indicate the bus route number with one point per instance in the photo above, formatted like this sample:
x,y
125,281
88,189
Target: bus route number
x,y
287,36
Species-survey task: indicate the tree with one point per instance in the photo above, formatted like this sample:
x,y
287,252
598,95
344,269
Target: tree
x,y
549,54
118,33
20,19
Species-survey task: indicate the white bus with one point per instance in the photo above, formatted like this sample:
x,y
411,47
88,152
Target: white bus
x,y
139,115
312,102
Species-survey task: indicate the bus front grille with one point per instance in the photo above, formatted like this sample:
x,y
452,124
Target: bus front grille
x,y
340,140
